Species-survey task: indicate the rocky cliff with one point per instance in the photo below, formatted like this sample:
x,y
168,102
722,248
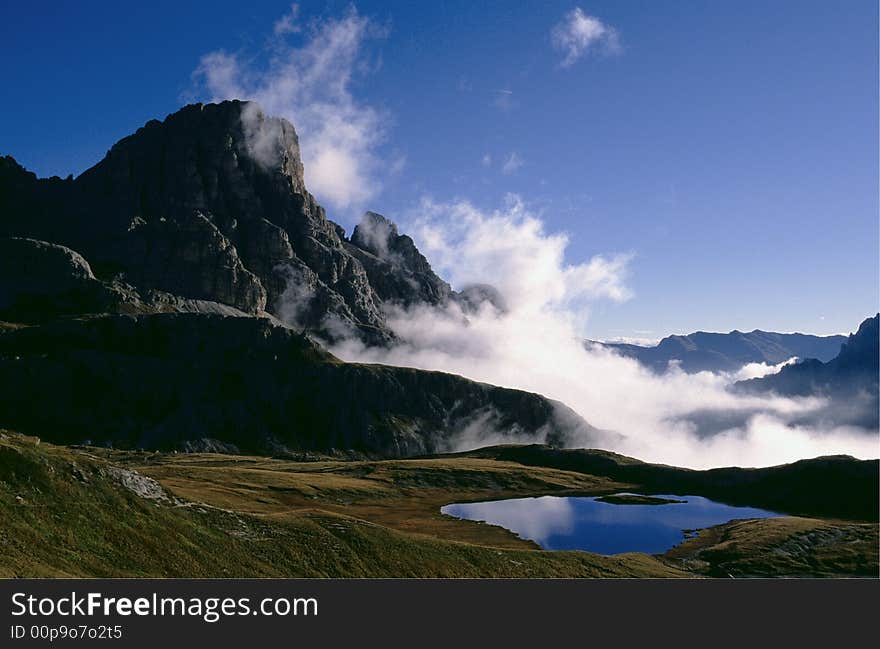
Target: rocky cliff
x,y
168,298
211,204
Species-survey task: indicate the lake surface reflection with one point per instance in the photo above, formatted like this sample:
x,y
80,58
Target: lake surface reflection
x,y
582,523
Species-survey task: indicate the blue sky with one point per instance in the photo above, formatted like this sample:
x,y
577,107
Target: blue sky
x,y
731,147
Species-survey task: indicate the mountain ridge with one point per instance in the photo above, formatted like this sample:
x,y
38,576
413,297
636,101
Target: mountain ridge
x,y
850,379
728,352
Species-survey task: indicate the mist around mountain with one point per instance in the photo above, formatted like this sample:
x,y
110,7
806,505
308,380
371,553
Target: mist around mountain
x,y
170,297
187,288
728,352
840,371
213,382
211,204
187,293
849,381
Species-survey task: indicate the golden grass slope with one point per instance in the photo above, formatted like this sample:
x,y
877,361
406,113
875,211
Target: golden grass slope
x,y
90,512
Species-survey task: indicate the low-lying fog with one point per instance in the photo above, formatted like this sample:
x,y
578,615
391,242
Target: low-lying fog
x,y
536,345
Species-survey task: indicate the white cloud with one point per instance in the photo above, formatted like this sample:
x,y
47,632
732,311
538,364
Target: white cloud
x,y
578,33
287,24
512,163
487,160
310,85
758,370
222,74
638,339
510,249
536,345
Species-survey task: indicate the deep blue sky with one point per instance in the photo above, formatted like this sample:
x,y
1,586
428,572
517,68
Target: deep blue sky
x,y
732,146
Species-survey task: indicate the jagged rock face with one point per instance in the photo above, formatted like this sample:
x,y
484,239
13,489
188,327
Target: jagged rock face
x,y
194,381
471,298
398,272
190,256
209,204
861,351
188,230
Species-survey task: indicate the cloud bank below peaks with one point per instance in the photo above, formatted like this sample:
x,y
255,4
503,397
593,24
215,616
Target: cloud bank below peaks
x,y
537,344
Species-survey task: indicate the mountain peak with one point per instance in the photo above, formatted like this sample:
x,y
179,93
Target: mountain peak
x,y
375,233
397,270
861,348
210,204
232,127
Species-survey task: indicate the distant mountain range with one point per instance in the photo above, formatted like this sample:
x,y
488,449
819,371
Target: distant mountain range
x,y
850,380
842,370
720,352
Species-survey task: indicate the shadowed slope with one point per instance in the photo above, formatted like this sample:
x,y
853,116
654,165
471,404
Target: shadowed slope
x,y
198,381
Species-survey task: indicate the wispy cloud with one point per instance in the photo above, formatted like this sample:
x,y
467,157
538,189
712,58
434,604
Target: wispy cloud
x,y
397,164
502,99
309,83
487,160
512,163
579,33
287,24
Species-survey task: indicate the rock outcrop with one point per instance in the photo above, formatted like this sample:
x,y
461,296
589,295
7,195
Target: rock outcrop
x,y
473,297
397,271
39,279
